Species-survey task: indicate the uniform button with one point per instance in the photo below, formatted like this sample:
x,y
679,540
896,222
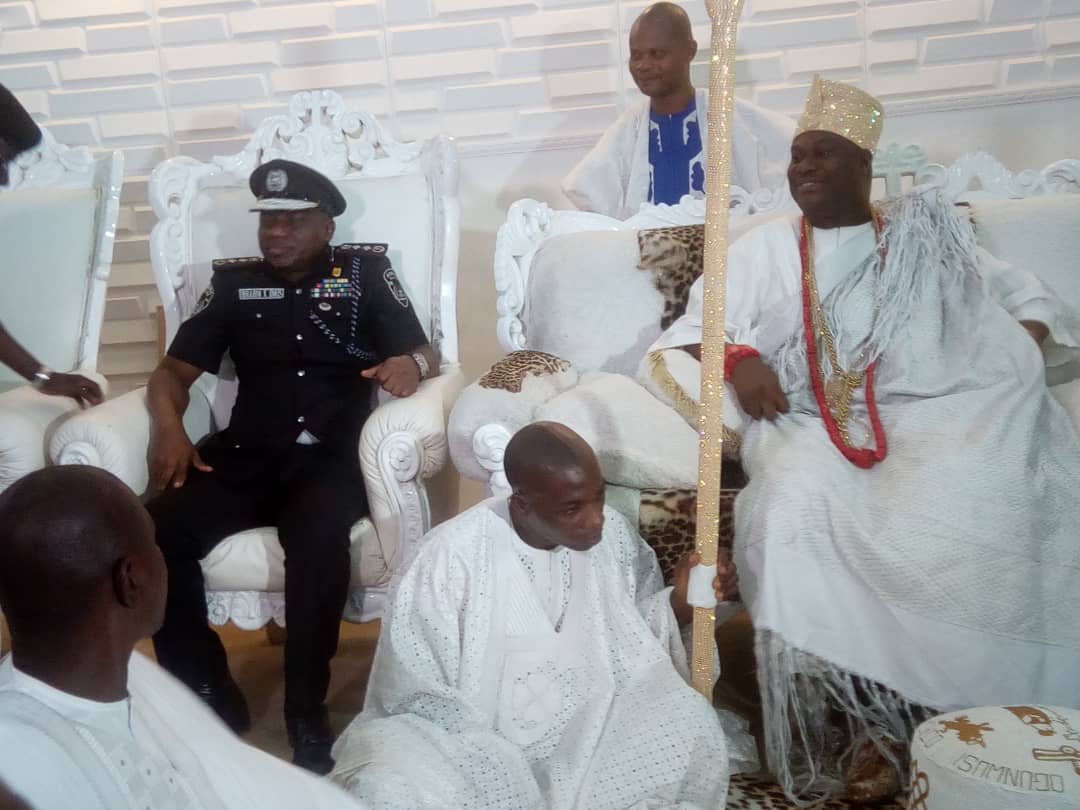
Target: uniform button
x,y
298,292
301,373
236,447
258,314
299,337
300,420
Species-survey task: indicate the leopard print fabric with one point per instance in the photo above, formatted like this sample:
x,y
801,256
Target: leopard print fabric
x,y
750,792
667,519
510,372
675,257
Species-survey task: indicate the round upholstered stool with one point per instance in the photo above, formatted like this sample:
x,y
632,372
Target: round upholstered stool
x,y
997,758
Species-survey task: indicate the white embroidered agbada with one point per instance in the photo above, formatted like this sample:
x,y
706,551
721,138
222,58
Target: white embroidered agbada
x,y
614,177
476,700
159,749
947,573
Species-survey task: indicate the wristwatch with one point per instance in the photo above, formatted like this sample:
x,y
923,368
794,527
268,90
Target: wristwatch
x,y
41,376
421,363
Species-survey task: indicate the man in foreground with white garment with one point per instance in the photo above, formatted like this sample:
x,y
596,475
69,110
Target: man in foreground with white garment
x,y
85,723
656,151
531,658
907,542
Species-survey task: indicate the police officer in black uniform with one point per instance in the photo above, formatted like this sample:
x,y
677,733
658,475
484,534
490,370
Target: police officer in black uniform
x,y
311,329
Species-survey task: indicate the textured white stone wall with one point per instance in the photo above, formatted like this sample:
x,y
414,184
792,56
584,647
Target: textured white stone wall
x,y
525,85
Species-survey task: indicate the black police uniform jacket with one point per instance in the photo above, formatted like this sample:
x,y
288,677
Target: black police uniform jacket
x,y
299,348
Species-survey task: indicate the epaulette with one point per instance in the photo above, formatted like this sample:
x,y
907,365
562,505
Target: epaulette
x,y
235,264
374,248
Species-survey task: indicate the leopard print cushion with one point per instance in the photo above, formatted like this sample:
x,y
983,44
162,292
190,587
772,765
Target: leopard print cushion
x,y
510,372
750,792
667,520
675,257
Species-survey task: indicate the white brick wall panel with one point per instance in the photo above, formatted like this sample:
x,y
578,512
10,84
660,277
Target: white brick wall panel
x,y
76,103
756,69
65,10
892,52
1007,11
995,42
337,76
1062,33
206,150
125,37
218,57
825,59
42,41
288,20
1026,71
131,250
455,63
342,48
246,88
16,15
365,15
542,60
788,99
429,38
557,23
142,66
973,75
764,7
538,123
135,188
417,100
255,114
922,15
186,120
1066,68
128,332
795,33
28,77
587,83
82,132
130,274
201,5
190,30
1061,7
484,124
459,6
126,307
506,93
130,125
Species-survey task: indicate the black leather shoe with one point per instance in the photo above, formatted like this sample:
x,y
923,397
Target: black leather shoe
x,y
311,740
226,699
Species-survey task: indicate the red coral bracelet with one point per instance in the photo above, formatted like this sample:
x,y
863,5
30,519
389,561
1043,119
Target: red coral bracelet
x,y
735,353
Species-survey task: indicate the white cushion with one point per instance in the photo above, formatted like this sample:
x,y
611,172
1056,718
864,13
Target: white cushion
x,y
996,758
49,241
253,560
640,442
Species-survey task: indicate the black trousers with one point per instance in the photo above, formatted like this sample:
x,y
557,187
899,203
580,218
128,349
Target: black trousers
x,y
313,497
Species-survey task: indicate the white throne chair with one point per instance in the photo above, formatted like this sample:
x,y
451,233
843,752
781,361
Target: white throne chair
x,y
404,194
581,297
58,221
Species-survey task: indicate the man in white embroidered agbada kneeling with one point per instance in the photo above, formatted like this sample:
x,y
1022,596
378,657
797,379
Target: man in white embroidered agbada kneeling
x,y
531,658
907,541
85,724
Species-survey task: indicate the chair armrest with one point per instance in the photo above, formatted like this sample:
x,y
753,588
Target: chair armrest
x,y
115,436
26,419
403,444
500,403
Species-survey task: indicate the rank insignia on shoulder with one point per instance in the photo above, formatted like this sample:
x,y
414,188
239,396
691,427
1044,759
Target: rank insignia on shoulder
x,y
378,248
396,290
232,264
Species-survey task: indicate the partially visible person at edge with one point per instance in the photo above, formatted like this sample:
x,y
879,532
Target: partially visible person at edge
x,y
656,152
311,330
19,133
86,723
907,540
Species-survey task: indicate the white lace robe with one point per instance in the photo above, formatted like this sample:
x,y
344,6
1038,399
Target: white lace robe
x,y
949,572
475,701
613,178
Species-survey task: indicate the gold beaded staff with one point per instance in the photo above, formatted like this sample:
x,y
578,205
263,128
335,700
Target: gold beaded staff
x,y
725,22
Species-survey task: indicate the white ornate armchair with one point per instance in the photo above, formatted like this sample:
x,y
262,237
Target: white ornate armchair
x,y
581,297
404,194
58,220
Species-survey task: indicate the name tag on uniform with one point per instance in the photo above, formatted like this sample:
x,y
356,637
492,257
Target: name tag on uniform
x,y
261,293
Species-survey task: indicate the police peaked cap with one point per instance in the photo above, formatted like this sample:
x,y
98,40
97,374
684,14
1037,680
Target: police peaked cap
x,y
16,125
282,185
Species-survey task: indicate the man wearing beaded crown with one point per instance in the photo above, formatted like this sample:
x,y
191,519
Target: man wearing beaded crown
x,y
907,539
